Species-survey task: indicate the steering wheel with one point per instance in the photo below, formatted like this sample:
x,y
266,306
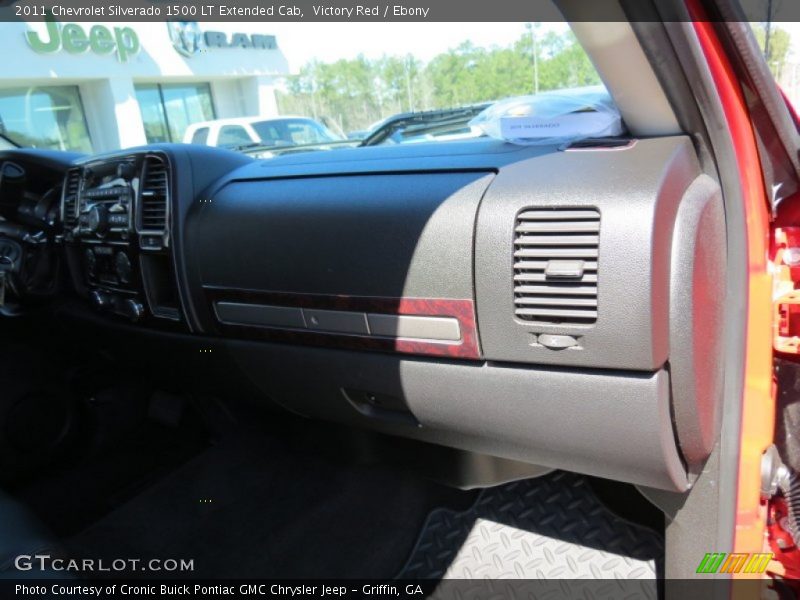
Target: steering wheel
x,y
15,243
10,255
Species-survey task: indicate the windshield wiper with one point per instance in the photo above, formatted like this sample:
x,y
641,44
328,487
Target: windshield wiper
x,y
419,122
285,148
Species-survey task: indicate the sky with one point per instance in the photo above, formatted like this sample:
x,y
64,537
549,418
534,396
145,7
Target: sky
x,y
302,42
794,32
331,41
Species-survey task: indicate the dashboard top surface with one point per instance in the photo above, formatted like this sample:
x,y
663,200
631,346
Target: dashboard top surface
x,y
481,154
472,155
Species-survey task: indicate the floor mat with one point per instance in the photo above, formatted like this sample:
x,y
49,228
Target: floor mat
x,y
254,506
552,527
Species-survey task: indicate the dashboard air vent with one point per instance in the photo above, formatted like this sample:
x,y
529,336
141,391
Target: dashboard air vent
x,y
154,195
555,265
69,199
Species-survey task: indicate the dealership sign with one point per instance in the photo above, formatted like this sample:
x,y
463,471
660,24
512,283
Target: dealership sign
x,y
188,40
74,39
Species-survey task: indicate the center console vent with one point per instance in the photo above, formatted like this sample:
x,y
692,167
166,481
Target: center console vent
x,y
556,253
154,196
69,199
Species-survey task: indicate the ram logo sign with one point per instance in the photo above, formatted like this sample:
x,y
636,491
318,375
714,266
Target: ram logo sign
x,y
188,40
721,562
185,36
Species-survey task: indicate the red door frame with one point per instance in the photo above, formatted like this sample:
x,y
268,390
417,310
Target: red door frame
x,y
758,402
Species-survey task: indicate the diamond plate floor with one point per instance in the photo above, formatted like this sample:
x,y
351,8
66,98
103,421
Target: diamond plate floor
x,y
552,527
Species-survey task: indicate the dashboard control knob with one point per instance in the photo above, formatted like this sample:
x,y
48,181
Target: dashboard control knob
x,y
122,265
133,309
98,219
126,171
100,300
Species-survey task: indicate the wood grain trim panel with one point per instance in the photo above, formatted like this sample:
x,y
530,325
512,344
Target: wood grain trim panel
x,y
462,310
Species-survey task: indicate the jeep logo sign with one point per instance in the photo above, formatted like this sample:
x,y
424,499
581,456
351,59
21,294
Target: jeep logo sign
x,y
188,40
74,39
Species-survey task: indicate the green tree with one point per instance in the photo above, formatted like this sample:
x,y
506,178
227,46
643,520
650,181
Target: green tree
x,y
774,43
358,92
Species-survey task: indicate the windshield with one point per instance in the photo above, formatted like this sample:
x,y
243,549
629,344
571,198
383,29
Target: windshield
x,y
268,88
443,89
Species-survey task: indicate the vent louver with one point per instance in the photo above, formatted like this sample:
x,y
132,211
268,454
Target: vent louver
x,y
555,265
154,196
69,200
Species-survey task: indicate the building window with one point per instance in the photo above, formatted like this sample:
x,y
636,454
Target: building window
x,y
152,109
45,117
169,108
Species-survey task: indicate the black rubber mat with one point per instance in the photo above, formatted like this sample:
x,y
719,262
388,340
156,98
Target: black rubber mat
x,y
552,527
258,506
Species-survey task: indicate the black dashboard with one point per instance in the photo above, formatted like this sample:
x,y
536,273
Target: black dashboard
x,y
111,217
522,302
116,215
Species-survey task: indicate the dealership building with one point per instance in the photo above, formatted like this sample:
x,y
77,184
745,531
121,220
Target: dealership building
x,y
94,87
